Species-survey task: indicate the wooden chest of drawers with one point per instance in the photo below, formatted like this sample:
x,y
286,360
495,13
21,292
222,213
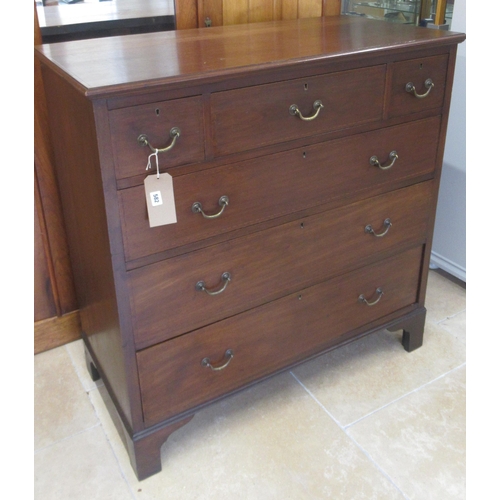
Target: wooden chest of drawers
x,y
305,158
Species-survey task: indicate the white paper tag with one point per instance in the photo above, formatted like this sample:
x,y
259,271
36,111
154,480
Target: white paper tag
x,y
160,199
156,198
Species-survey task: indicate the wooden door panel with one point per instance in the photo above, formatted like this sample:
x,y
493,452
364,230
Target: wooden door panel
x,y
211,9
56,315
193,13
260,10
310,8
186,14
44,297
289,9
235,12
331,7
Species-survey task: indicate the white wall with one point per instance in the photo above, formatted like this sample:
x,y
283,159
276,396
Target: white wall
x,y
449,244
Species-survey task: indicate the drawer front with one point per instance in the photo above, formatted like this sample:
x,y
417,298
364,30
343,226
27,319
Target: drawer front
x,y
249,118
156,121
264,266
265,188
414,73
173,378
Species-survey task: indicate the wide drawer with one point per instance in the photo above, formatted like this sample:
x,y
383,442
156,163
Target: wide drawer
x,y
167,302
265,188
417,85
157,121
249,118
174,377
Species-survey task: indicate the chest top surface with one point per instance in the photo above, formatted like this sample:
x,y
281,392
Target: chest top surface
x,y
106,66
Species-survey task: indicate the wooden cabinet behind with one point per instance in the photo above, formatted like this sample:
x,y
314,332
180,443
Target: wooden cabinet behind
x,y
55,310
196,13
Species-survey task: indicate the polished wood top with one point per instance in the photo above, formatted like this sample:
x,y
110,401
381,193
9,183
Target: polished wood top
x,y
116,64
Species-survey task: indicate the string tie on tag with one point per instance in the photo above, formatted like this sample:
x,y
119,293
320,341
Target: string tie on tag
x,y
148,166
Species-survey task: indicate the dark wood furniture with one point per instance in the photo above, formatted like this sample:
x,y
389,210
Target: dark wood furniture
x,y
323,212
57,320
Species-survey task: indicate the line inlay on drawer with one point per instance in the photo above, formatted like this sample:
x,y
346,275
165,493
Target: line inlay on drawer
x,y
257,116
156,121
265,188
296,325
414,73
271,263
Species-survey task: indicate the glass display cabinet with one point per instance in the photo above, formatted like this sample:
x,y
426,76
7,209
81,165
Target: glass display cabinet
x,y
436,13
428,13
397,11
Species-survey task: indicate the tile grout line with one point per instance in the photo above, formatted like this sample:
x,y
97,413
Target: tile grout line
x,y
68,437
79,374
372,460
120,468
438,322
87,392
377,466
108,440
73,363
316,399
98,423
403,396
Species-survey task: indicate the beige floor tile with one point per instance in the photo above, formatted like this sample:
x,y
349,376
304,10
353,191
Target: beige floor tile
x,y
108,416
274,440
456,325
62,406
359,378
369,373
81,467
77,355
444,298
271,441
419,441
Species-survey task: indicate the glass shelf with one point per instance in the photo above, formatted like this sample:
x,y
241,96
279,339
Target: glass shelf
x,y
397,11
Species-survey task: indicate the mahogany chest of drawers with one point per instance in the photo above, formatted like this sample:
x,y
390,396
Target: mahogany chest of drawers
x,y
305,160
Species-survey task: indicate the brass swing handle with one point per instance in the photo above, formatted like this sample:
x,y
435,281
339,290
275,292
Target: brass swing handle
x,y
429,84
294,111
226,278
228,355
387,225
198,209
378,291
175,133
393,155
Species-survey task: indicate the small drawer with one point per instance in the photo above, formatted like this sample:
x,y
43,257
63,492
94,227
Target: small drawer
x,y
417,85
258,116
159,123
267,265
202,365
265,188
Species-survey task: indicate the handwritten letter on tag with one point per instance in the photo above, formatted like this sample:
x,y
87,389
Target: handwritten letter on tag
x,y
160,199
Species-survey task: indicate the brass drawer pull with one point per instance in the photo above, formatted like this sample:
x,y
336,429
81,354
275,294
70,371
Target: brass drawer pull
x,y
294,110
226,278
393,155
175,133
387,225
197,208
228,355
362,299
429,84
